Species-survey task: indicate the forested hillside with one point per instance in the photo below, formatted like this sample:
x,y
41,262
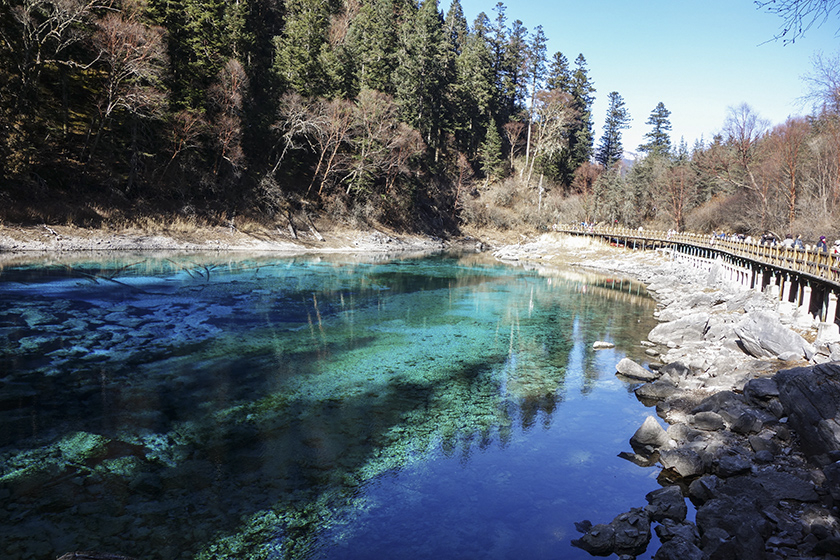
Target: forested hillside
x,y
387,111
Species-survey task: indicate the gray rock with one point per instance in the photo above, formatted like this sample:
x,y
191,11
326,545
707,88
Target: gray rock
x,y
763,443
764,457
666,503
709,421
722,400
832,479
687,329
627,534
675,369
649,437
598,541
632,532
732,465
811,398
668,529
656,390
830,545
602,344
678,549
761,389
747,422
684,462
786,486
732,527
703,489
762,335
629,368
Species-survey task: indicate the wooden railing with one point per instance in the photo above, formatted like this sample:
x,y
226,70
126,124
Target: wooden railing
x,y
809,262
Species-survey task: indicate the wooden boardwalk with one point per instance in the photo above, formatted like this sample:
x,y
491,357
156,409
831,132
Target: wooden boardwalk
x,y
807,278
813,264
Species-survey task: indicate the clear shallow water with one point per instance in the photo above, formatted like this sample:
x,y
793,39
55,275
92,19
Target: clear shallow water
x,y
246,407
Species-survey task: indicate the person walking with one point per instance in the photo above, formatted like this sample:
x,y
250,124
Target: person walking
x,y
822,246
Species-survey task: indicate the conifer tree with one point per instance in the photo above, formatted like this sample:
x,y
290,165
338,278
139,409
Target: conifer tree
x,y
559,76
200,41
473,89
582,135
373,43
424,74
492,162
658,139
515,70
610,149
455,27
536,74
303,46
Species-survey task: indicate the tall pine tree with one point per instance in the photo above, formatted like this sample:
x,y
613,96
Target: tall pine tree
x,y
610,149
536,74
582,135
425,74
373,43
658,139
474,89
559,76
303,48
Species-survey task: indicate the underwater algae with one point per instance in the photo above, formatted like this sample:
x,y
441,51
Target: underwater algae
x,y
254,408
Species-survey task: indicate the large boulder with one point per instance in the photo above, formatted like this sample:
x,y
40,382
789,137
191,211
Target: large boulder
x,y
736,525
811,398
629,368
649,437
690,328
762,335
686,463
666,503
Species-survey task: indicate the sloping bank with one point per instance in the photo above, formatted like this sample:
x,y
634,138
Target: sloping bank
x,y
749,392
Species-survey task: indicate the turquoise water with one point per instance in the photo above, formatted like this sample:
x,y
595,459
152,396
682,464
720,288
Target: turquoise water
x,y
320,408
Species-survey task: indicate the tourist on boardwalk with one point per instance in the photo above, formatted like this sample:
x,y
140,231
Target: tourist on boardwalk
x,y
822,246
768,239
788,242
797,243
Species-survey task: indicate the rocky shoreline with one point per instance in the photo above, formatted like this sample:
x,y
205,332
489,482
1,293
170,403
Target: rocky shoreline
x,y
748,389
36,241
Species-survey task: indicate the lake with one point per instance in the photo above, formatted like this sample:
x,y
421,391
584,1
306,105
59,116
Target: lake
x,y
345,407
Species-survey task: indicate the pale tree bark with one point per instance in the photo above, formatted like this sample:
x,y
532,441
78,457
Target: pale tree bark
x,y
553,116
227,97
744,130
788,144
133,57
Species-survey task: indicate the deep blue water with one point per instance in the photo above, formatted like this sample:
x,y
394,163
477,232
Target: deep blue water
x,y
205,406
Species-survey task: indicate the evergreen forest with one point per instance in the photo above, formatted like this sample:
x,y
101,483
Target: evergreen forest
x,y
390,112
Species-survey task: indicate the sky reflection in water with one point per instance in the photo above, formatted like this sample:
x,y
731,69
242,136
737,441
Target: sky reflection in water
x,y
247,407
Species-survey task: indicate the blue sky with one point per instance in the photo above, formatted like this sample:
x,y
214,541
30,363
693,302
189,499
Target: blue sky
x,y
696,57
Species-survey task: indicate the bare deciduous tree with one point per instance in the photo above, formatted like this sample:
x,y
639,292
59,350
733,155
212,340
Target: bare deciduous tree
x,y
788,144
799,15
186,129
334,122
554,114
584,184
227,97
680,189
824,83
744,128
513,133
45,30
133,57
